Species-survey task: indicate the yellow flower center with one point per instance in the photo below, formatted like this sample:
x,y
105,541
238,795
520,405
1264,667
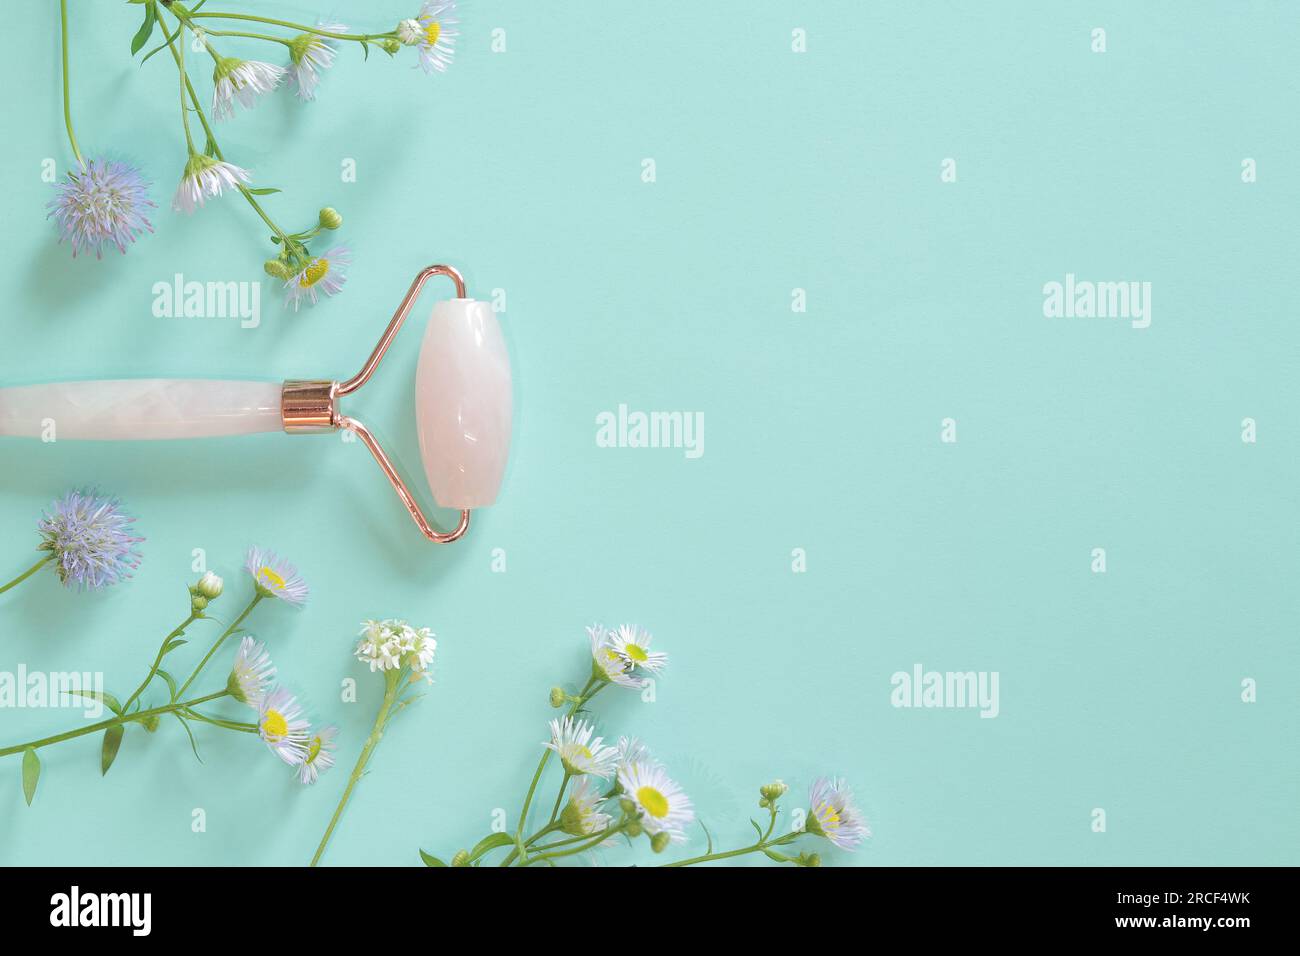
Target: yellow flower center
x,y
274,725
317,270
653,802
432,32
828,816
637,654
269,577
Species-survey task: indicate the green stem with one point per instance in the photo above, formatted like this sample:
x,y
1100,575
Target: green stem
x,y
589,843
587,693
184,77
183,19
105,724
257,597
559,797
157,661
290,25
28,573
240,726
766,843
67,108
249,36
392,682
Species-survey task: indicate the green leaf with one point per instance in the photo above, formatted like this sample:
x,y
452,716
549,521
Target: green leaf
x,y
757,829
263,191
490,843
429,859
146,29
109,700
709,836
189,733
112,741
171,681
174,643
31,773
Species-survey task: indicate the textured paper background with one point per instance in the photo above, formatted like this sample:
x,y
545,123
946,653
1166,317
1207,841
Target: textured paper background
x,y
775,171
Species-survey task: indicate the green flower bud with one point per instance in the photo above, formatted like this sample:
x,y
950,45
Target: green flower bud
x,y
628,807
771,793
197,603
390,46
151,722
210,586
558,697
809,859
633,829
278,269
461,858
330,218
571,821
659,842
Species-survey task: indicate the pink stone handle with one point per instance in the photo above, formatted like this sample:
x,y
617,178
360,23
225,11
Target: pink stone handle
x,y
463,404
139,408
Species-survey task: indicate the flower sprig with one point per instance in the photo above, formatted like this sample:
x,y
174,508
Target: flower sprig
x,y
621,791
102,203
86,537
404,655
279,718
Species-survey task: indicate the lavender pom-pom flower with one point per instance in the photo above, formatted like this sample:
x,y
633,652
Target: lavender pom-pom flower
x,y
91,541
101,202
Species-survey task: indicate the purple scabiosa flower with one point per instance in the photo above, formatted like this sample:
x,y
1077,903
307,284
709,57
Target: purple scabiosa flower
x,y
101,202
325,273
91,539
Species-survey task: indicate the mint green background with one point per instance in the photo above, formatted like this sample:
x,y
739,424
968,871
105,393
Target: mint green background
x,y
775,171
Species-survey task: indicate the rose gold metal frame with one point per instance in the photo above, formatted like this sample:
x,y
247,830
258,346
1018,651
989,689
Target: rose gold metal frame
x,y
312,406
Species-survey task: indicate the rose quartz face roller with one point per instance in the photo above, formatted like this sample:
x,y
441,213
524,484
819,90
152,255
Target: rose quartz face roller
x,y
463,406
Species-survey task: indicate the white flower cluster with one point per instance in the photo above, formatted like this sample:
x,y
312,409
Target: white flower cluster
x,y
391,644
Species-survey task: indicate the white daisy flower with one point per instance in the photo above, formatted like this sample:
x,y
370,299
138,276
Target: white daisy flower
x,y
205,177
831,814
579,751
632,644
319,756
436,37
632,750
309,55
663,805
606,663
582,815
325,274
280,722
251,674
243,80
275,577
